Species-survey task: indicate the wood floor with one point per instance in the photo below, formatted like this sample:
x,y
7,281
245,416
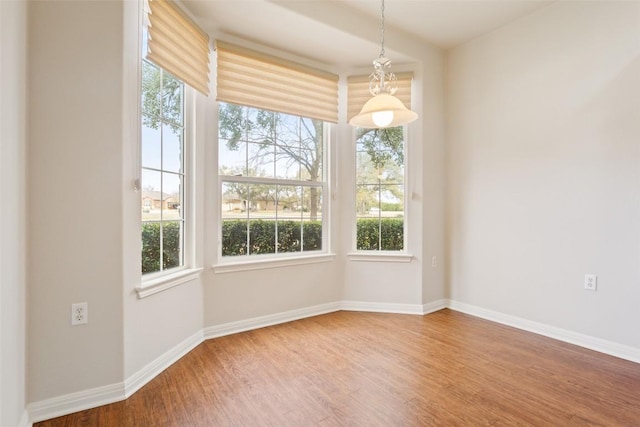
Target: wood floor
x,y
373,369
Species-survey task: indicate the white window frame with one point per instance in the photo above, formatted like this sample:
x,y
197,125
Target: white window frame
x,y
403,255
229,264
153,283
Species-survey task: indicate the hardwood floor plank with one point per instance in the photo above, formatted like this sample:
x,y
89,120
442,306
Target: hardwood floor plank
x,y
375,369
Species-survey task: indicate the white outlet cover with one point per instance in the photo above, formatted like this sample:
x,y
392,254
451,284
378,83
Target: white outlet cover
x,y
79,314
591,282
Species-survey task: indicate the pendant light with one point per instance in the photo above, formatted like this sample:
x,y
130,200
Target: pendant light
x,y
384,109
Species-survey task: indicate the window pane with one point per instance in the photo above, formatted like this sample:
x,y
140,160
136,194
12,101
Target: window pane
x,y
150,91
288,162
171,196
232,158
392,200
235,199
172,148
289,202
312,235
261,160
258,125
391,234
234,237
151,196
289,236
150,247
262,237
262,200
311,165
151,144
367,200
367,234
172,89
172,244
312,203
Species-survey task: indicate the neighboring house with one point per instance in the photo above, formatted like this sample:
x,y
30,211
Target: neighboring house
x,y
158,200
233,202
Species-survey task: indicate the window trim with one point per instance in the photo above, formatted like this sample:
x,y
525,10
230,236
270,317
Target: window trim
x,y
260,262
380,256
383,255
157,284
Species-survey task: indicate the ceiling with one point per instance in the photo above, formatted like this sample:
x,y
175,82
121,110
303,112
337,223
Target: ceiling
x,y
346,33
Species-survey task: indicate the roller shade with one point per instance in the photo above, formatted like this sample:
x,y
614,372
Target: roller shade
x,y
254,79
178,45
358,92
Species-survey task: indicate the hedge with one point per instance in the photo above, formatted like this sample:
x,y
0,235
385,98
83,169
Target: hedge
x,y
151,246
369,230
262,238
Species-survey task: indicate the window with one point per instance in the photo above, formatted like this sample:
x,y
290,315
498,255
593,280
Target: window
x,y
272,178
165,71
272,139
163,177
380,189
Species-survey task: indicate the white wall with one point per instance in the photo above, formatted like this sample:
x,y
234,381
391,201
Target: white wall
x,y
544,166
13,67
433,176
75,201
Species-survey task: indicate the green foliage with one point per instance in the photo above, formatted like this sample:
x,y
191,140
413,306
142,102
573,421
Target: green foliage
x,y
383,146
262,236
161,98
151,246
391,207
386,234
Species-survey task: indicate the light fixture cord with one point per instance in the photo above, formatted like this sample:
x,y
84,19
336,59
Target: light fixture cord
x,y
382,30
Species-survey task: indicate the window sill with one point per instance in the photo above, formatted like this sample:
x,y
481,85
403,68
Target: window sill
x,y
156,285
380,256
232,267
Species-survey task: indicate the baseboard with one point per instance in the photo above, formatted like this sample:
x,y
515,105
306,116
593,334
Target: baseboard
x,y
153,369
603,346
381,307
74,402
269,320
434,306
24,421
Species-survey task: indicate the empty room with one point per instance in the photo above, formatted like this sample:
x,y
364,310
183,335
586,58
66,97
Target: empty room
x,y
320,213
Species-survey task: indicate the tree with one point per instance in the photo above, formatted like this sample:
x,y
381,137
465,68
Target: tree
x,y
277,138
161,98
290,140
382,145
380,160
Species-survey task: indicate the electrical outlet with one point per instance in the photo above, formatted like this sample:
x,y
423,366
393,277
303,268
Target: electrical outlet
x,y
434,261
79,313
591,282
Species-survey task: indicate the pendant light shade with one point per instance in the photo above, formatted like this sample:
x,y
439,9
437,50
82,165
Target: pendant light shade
x,y
384,109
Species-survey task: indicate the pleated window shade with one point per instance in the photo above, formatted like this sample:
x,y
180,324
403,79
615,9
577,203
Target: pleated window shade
x,y
254,79
358,92
178,45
